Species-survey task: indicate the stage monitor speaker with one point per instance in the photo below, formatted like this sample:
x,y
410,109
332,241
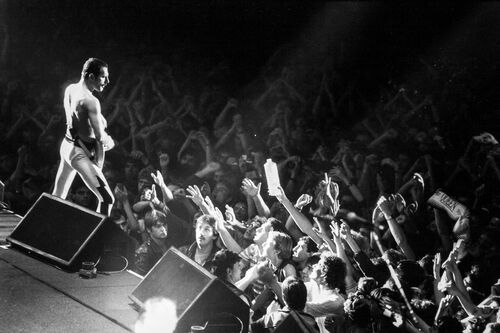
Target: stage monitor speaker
x,y
200,296
293,323
59,231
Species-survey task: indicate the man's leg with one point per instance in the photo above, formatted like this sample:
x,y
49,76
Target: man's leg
x,y
93,177
65,174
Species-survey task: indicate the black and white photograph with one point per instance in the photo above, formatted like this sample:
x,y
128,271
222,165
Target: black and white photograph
x,y
218,166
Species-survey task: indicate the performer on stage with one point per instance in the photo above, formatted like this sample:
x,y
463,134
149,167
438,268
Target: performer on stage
x,y
82,149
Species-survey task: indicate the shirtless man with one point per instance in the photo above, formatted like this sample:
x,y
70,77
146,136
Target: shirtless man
x,y
82,149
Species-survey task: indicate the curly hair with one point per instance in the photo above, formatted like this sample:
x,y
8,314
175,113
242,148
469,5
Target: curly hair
x,y
223,259
334,272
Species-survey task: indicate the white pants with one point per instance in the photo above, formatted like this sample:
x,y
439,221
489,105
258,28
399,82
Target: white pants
x,y
73,160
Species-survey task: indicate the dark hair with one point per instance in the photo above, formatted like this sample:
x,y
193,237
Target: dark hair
x,y
223,259
277,225
294,293
313,259
153,218
92,66
208,219
335,273
357,309
311,246
394,256
410,273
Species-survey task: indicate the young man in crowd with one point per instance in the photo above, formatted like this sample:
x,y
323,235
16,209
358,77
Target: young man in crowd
x,y
204,247
156,244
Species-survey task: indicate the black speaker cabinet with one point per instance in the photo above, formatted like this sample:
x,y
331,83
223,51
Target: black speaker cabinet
x,y
59,231
200,296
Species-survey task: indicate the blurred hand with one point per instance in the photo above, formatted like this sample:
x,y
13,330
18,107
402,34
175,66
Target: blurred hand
x,y
232,102
345,230
164,160
212,166
249,188
121,193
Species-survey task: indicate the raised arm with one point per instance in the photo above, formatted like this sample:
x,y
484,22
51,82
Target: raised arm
x,y
300,219
253,191
396,230
224,234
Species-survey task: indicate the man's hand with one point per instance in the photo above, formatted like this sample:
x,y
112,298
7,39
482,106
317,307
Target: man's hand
x,y
280,195
195,195
384,206
230,216
303,200
219,220
121,194
158,178
249,188
345,231
331,195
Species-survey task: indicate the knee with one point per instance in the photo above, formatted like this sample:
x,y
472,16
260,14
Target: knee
x,y
105,192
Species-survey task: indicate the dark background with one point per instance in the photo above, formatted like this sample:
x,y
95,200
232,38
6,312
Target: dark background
x,y
378,43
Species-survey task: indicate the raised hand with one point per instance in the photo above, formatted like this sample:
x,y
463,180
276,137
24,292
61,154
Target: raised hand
x,y
334,227
418,179
345,231
336,173
137,155
280,195
384,206
154,197
158,178
195,195
121,193
230,216
303,200
332,196
205,189
249,188
210,204
219,219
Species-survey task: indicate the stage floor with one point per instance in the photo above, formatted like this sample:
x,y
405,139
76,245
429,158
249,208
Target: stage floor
x,y
37,297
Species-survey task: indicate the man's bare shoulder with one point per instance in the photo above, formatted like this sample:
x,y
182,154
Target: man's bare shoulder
x,y
80,97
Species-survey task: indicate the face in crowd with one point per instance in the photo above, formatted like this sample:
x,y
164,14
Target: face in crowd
x,y
205,233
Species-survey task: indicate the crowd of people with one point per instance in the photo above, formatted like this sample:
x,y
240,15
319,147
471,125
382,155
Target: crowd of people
x,y
387,225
